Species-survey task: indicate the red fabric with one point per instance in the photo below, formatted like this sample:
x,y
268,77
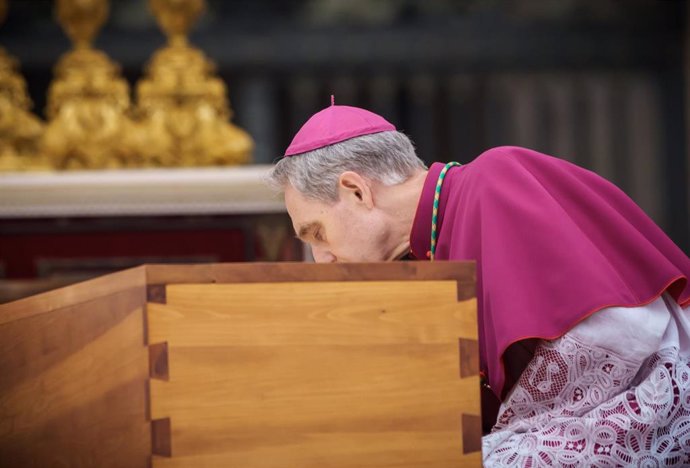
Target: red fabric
x,y
19,252
553,243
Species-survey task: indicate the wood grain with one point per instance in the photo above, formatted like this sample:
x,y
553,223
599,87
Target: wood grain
x,y
463,273
258,386
347,313
132,279
35,344
73,386
268,365
328,374
325,450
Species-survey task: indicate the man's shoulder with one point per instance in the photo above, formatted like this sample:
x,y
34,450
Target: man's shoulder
x,y
510,158
492,168
503,154
498,159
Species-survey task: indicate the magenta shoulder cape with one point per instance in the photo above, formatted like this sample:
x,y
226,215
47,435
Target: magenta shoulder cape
x,y
553,243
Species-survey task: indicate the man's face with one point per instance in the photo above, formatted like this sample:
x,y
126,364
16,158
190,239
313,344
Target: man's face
x,y
345,231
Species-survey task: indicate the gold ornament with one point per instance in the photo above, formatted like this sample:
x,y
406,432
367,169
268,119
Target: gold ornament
x,y
20,130
88,100
182,108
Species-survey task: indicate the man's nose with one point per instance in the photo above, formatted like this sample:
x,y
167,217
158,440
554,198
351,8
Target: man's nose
x,y
322,255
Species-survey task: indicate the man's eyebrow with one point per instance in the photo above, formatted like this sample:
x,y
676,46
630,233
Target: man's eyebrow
x,y
306,229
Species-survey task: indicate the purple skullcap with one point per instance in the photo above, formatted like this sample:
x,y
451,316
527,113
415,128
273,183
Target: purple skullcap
x,y
335,124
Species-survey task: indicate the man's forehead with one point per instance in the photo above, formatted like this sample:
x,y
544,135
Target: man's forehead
x,y
301,208
295,200
307,215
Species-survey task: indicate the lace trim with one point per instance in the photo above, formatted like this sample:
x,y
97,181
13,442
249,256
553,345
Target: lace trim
x,y
576,405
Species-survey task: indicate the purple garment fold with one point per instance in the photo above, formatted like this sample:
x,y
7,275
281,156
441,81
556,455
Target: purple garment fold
x,y
553,243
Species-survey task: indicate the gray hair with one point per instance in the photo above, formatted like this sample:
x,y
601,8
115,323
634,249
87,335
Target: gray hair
x,y
388,157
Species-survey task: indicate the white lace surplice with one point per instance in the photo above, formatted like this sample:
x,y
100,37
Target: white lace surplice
x,y
613,391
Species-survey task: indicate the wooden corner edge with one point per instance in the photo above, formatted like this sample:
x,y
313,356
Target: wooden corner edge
x,y
158,361
471,433
469,357
156,293
161,437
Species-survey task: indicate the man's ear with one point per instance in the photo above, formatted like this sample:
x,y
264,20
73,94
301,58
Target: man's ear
x,y
355,188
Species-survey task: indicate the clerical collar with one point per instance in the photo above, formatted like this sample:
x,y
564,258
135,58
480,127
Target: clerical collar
x,y
420,236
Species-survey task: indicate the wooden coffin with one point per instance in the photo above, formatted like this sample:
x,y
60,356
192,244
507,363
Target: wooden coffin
x,y
245,365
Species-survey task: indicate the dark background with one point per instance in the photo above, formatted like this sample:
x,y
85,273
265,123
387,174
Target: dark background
x,y
601,83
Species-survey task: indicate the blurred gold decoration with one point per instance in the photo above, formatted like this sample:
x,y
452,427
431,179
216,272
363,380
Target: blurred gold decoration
x,y
88,100
183,109
20,130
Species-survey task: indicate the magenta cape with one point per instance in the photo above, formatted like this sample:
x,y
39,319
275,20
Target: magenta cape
x,y
553,243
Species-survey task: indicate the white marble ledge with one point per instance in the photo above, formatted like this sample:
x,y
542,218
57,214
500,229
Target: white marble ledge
x,y
138,192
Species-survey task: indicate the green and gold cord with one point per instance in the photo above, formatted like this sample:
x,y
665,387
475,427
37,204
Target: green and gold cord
x,y
437,200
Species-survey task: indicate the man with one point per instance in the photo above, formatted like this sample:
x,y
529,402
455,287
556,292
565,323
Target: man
x,y
584,335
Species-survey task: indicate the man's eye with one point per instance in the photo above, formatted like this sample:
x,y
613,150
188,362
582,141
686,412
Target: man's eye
x,y
317,236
